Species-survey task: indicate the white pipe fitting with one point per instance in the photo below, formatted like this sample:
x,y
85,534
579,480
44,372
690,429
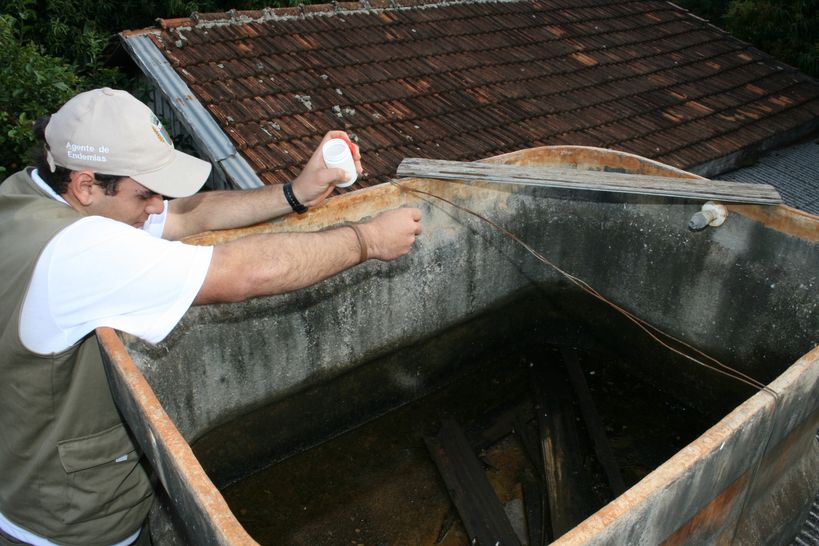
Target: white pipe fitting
x,y
711,214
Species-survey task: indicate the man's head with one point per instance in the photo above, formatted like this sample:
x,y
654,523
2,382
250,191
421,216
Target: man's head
x,y
109,132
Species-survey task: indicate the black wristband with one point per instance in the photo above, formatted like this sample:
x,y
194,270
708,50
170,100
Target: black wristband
x,y
291,199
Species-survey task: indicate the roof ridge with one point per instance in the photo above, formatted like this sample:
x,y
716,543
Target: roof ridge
x,y
301,11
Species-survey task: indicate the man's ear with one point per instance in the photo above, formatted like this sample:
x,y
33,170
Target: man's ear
x,y
81,186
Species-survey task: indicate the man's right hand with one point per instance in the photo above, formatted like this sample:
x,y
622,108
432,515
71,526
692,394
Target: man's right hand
x,y
316,181
392,233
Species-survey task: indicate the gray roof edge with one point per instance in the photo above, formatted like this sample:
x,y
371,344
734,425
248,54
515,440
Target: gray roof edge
x,y
203,128
736,160
240,172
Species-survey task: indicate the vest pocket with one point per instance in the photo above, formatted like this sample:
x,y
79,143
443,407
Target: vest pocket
x,y
97,449
103,474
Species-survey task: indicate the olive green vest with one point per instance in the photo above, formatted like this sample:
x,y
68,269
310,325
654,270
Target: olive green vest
x,y
68,469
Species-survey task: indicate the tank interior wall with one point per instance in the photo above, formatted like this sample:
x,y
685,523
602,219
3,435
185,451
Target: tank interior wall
x,y
744,481
742,292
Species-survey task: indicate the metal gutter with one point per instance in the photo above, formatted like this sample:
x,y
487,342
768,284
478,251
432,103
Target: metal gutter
x,y
205,131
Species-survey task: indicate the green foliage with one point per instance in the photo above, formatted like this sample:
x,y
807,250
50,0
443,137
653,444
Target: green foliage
x,y
32,84
712,10
53,49
787,29
81,31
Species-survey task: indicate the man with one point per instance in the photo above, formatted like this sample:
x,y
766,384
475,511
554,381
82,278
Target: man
x,y
88,240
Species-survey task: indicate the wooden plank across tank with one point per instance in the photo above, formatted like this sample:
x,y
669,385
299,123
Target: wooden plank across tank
x,y
472,494
578,179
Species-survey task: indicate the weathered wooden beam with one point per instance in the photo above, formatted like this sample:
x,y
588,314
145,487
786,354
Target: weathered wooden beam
x,y
534,497
531,444
591,419
568,486
690,188
483,516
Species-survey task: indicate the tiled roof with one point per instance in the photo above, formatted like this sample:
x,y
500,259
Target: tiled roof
x,y
468,80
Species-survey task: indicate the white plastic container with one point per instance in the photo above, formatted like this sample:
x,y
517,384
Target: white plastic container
x,y
336,154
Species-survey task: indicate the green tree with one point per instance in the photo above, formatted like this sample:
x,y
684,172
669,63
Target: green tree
x,y
786,29
32,84
52,49
80,31
712,10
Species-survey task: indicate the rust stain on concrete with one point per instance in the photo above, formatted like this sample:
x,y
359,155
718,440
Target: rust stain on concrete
x,y
712,519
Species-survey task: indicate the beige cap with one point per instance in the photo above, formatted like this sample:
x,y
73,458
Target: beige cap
x,y
109,131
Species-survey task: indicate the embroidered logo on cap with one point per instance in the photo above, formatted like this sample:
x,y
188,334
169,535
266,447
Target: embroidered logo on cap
x,y
159,131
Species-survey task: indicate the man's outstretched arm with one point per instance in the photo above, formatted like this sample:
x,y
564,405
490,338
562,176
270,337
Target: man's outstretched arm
x,y
267,264
214,210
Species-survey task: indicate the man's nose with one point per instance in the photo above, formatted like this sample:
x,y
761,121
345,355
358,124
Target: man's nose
x,y
155,205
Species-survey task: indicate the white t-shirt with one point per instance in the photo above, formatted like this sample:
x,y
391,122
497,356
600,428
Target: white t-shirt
x,y
101,272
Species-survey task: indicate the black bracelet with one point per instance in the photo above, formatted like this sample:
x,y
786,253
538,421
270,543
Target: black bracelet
x,y
291,199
